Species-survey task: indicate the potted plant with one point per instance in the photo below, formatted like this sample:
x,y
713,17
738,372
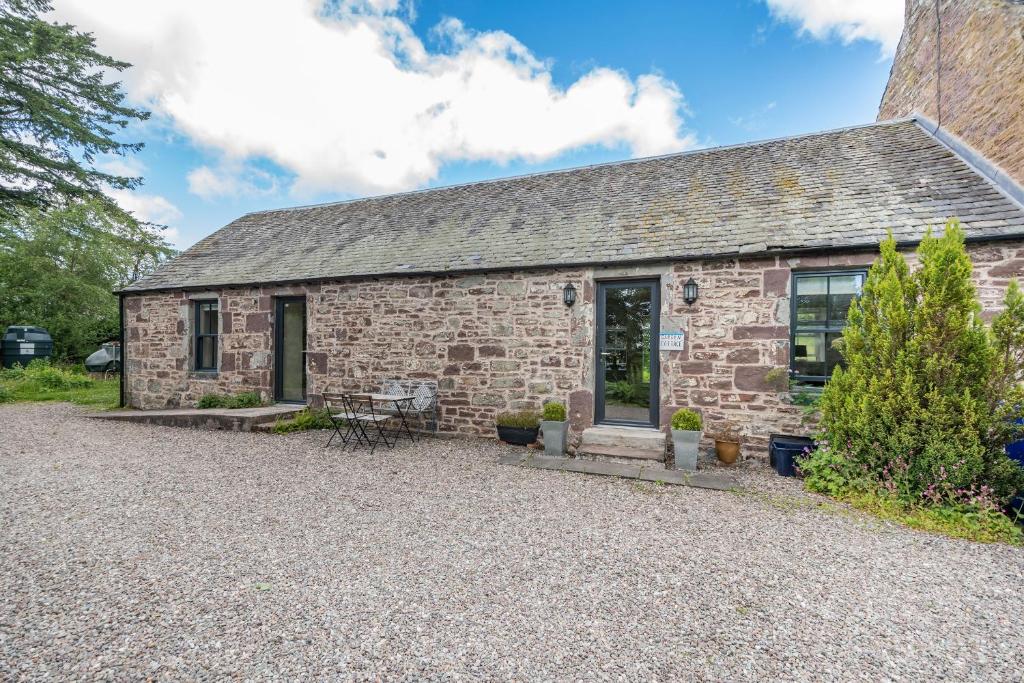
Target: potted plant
x,y
518,428
686,425
555,428
727,444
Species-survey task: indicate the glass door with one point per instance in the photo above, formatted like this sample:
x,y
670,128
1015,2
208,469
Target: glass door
x,y
290,350
627,353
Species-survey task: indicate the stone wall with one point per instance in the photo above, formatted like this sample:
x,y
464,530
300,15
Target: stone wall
x,y
506,341
971,80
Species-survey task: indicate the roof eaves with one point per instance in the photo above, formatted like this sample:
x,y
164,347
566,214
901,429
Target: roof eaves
x,y
780,251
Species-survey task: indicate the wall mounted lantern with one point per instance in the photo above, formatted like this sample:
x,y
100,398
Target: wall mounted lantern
x,y
569,295
690,291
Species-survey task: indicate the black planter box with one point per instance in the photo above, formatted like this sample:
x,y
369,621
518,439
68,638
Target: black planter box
x,y
784,451
518,436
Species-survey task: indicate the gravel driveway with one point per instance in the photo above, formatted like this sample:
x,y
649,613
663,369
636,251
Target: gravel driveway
x,y
130,551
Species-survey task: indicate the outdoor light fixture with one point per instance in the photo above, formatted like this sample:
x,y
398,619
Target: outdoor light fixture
x,y
690,291
569,294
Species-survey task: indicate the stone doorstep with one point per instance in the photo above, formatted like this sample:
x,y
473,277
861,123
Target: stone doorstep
x,y
239,419
623,453
640,438
623,445
704,480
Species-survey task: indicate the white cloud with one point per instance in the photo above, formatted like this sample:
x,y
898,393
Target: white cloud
x,y
347,98
880,21
148,208
230,180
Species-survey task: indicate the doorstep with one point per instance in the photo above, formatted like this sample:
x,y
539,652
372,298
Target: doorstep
x,y
702,480
229,419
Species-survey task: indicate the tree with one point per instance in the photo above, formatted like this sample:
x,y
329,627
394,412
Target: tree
x,y
929,396
57,113
58,269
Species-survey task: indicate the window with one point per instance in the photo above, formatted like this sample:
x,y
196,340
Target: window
x,y
206,335
820,305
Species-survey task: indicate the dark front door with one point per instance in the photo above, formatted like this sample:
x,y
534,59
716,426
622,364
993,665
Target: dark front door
x,y
627,353
290,350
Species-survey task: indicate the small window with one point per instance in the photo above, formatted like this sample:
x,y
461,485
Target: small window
x,y
206,335
821,302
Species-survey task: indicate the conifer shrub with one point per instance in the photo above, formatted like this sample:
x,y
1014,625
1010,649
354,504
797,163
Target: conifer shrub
x,y
688,420
554,412
929,396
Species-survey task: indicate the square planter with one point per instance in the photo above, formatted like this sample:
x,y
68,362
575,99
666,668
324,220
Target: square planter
x,y
686,445
554,436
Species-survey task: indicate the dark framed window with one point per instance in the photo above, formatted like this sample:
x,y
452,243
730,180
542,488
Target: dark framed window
x,y
821,301
206,335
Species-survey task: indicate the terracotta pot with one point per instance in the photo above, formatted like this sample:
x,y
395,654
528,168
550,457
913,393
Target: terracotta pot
x,y
727,451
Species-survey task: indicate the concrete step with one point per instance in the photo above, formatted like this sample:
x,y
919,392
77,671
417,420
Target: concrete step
x,y
640,471
235,419
624,452
623,444
628,437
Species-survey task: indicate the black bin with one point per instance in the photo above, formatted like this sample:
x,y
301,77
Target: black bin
x,y
23,343
784,451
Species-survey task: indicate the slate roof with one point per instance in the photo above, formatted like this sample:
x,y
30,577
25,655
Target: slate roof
x,y
838,189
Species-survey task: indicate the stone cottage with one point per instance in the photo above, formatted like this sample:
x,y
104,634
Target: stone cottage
x,y
710,279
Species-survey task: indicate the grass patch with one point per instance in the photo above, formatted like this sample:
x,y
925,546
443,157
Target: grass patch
x,y
303,420
982,526
42,381
246,399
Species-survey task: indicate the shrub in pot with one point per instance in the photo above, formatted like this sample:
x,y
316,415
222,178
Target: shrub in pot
x,y
686,426
555,428
519,428
727,444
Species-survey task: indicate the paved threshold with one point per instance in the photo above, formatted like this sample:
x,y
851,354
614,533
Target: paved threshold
x,y
701,480
234,419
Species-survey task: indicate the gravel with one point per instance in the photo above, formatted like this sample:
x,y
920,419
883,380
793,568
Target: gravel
x,y
130,551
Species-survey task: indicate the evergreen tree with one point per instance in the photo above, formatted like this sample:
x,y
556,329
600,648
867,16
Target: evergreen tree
x,y
57,112
929,394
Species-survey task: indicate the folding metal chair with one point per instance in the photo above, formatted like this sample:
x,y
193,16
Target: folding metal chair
x,y
363,412
338,412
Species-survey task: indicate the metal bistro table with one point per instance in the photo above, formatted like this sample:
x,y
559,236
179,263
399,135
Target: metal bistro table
x,y
401,405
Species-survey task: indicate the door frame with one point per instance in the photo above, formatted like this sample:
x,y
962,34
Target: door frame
x,y
279,303
601,287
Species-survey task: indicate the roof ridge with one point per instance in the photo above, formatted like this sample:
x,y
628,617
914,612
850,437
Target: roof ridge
x,y
604,164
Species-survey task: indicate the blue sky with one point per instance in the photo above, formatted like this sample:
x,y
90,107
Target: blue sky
x,y
262,106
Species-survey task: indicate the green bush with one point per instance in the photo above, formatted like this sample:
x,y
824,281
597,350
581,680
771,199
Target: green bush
x,y
247,399
51,377
303,420
43,381
5,394
212,401
524,419
554,412
685,419
13,373
928,399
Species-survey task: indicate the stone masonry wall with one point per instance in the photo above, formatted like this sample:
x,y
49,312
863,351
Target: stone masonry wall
x,y
980,67
506,341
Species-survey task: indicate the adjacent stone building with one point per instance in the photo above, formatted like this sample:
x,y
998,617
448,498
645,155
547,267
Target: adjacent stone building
x,y
961,64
